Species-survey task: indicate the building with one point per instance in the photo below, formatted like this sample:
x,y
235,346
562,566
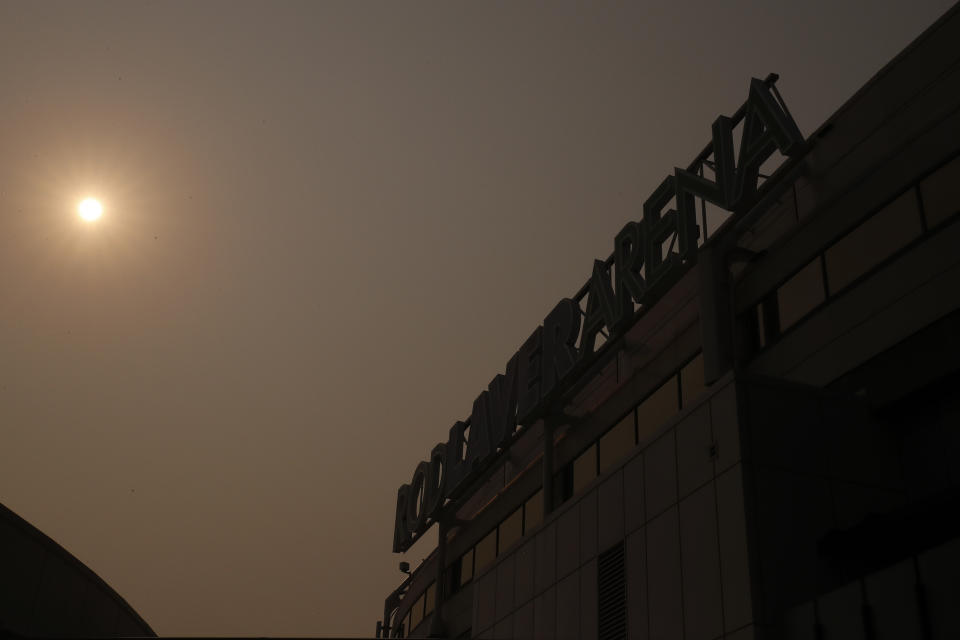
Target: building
x,y
46,592
765,445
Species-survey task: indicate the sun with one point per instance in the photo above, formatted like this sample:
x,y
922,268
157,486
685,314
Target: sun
x,y
90,209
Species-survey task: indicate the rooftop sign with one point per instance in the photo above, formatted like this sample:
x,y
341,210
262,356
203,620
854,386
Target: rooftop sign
x,y
649,255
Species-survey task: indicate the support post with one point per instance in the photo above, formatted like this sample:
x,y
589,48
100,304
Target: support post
x,y
716,325
437,628
549,427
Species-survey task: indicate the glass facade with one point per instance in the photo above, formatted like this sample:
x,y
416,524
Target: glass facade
x,y
584,468
879,236
533,512
799,295
430,598
486,551
860,251
616,443
659,407
466,567
416,613
511,530
691,380
941,193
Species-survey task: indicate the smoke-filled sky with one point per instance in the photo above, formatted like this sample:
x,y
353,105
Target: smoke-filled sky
x,y
326,227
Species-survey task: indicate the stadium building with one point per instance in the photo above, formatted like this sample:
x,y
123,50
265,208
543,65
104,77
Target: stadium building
x,y
745,424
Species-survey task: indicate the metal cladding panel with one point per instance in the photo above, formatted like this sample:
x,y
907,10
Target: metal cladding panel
x,y
610,512
635,550
665,589
568,607
700,559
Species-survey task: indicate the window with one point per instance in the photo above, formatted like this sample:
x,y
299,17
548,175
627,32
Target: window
x,y
691,380
584,468
941,193
466,567
659,407
879,236
511,530
486,551
617,443
416,614
800,294
533,512
430,598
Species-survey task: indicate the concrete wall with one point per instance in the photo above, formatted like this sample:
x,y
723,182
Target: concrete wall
x,y
677,506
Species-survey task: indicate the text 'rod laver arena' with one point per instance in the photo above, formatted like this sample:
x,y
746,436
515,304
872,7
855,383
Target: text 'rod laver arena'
x,y
643,264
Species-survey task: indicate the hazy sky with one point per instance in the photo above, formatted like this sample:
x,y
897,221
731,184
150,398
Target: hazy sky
x,y
327,227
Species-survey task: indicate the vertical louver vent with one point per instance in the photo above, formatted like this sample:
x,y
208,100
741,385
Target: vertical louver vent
x,y
612,592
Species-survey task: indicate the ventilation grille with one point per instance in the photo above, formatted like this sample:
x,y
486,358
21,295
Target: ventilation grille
x,y
612,592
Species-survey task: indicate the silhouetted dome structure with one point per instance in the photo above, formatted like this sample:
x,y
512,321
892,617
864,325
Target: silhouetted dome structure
x,y
46,592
